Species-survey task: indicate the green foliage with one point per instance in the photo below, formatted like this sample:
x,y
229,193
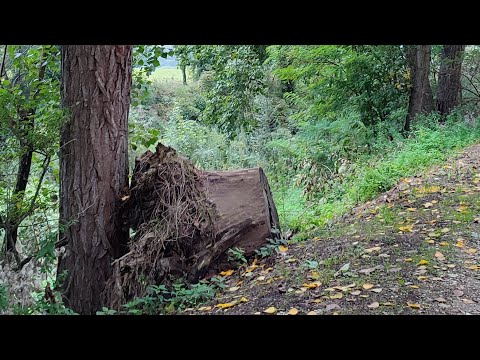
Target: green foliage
x,y
372,80
272,245
30,121
237,254
311,264
145,61
236,78
3,298
161,300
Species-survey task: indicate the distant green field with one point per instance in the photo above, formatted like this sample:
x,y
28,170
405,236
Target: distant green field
x,y
167,74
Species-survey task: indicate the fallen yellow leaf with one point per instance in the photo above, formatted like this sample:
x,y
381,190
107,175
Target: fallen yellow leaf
x,y
367,286
312,313
252,267
444,243
411,209
406,228
428,205
226,305
226,273
414,286
408,260
375,248
423,262
233,303
312,285
388,304
205,308
336,296
293,311
413,306
282,248
344,288
430,241
471,251
317,301
422,277
234,288
474,267
271,310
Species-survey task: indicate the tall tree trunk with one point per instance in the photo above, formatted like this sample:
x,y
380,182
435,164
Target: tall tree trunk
x,y
449,85
96,83
421,98
184,74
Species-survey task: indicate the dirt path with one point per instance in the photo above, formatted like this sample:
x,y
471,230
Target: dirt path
x,y
413,250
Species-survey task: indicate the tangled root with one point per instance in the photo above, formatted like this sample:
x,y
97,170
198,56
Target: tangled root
x,y
173,220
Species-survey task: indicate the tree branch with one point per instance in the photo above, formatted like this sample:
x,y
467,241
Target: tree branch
x,y
25,261
46,161
473,85
3,61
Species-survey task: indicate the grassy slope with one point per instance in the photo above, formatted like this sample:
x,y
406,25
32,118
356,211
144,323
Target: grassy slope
x,y
415,249
373,175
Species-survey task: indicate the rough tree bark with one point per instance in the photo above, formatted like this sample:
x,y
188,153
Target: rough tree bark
x,y
421,98
96,83
449,85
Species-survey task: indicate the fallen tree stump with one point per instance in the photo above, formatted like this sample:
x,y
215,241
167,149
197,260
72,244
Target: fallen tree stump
x,y
185,220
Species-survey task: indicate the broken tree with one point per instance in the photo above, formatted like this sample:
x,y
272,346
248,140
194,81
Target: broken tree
x,y
185,219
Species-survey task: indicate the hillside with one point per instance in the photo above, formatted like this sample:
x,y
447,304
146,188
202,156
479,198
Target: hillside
x,y
413,250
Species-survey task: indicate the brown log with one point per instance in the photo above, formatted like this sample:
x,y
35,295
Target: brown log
x,y
185,220
246,213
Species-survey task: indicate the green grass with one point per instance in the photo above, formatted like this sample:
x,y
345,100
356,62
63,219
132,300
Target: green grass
x,y
375,174
164,74
293,210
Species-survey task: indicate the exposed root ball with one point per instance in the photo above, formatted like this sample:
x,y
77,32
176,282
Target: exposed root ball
x,y
173,220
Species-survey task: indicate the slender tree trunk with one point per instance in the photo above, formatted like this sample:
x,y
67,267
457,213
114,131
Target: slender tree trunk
x,y
184,74
449,85
23,173
96,83
421,98
27,126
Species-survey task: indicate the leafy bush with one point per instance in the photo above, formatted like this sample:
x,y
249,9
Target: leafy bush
x,y
160,300
3,298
